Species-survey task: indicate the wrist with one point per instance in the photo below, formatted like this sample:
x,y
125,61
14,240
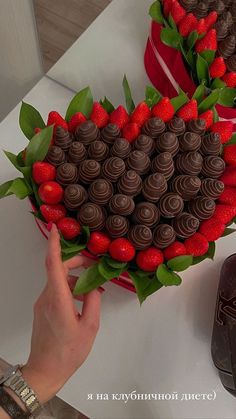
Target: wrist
x,y
43,389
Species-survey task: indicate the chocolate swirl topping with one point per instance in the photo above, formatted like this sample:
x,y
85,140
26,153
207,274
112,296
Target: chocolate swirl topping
x,y
130,183
164,164
231,63
87,132
189,142
163,236
213,167
201,10
113,168
141,236
138,161
77,153
145,144
185,225
232,29
227,18
227,46
154,186
186,186
170,205
74,197
100,191
92,215
89,170
189,163
117,226
62,138
168,142
177,126
121,204
212,188
67,173
98,150
218,6
222,29
153,127
197,126
211,144
189,5
202,207
110,133
146,213
121,148
55,156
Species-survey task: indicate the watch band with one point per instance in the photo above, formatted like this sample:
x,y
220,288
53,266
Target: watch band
x,y
11,407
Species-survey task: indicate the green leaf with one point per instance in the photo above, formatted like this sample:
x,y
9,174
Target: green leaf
x,y
228,231
13,158
26,171
89,280
172,23
155,12
227,97
209,102
85,236
190,58
232,141
5,189
20,188
30,119
81,102
180,263
192,38
144,285
107,271
216,116
73,249
35,191
208,55
209,255
217,84
179,100
38,146
199,93
114,263
107,105
202,69
152,96
128,95
171,37
166,277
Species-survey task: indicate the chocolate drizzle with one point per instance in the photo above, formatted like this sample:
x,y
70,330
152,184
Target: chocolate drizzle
x,y
92,215
62,138
164,164
100,191
77,153
189,5
202,207
153,127
168,142
55,156
231,63
121,204
163,236
227,46
190,141
185,225
87,132
89,170
113,168
121,148
74,197
141,236
130,183
98,151
154,186
67,173
197,126
177,126
186,186
110,133
145,144
189,163
117,226
213,167
201,10
138,161
211,144
146,213
211,188
171,205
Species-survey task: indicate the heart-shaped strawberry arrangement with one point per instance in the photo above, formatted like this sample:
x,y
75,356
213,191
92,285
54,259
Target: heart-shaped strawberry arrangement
x,y
147,190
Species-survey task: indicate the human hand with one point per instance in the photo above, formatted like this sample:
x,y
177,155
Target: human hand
x,y
62,338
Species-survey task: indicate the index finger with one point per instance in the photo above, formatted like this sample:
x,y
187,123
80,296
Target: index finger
x,y
54,265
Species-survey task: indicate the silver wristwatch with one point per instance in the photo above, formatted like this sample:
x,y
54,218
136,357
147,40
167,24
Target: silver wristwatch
x,y
14,380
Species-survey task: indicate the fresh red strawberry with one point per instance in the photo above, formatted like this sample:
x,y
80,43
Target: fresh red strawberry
x,y
131,131
188,111
53,213
208,117
201,27
75,121
99,115
224,128
140,114
148,260
177,12
69,228
119,117
98,243
122,250
224,213
174,250
212,229
187,24
43,172
230,79
37,130
56,119
167,7
208,42
229,176
228,197
50,192
217,67
196,245
229,154
210,20
164,109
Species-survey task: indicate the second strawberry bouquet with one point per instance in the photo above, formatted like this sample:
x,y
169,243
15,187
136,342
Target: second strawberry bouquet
x,y
146,190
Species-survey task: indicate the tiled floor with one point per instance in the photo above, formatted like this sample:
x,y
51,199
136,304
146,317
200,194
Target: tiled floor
x,y
61,22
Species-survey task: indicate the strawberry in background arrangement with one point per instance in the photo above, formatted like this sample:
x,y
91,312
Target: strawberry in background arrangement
x,y
53,213
140,114
211,19
99,115
174,250
43,172
197,245
228,197
229,176
56,119
119,117
187,24
229,154
177,12
51,192
230,79
98,243
208,42
224,213
208,117
218,67
224,128
122,250
69,228
164,109
212,229
188,111
167,6
131,131
201,27
148,260
75,121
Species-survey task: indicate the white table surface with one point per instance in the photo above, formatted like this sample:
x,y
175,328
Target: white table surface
x,y
163,347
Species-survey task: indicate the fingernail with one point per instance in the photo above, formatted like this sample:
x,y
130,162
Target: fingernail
x,y
101,289
49,226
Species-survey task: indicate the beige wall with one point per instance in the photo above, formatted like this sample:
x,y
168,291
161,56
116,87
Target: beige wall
x,y
20,61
